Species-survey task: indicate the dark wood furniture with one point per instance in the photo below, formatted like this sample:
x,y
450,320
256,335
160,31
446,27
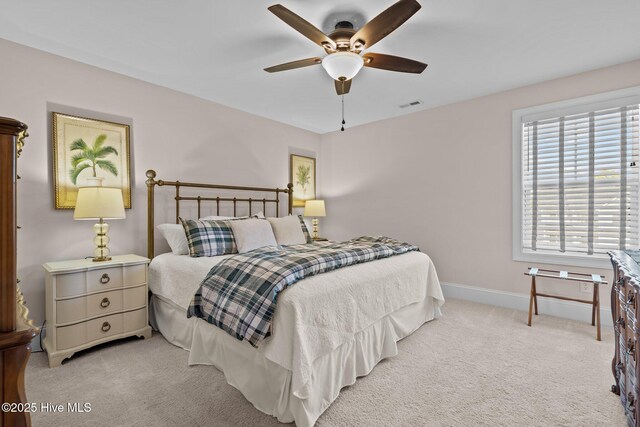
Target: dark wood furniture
x,y
247,196
594,279
624,309
16,331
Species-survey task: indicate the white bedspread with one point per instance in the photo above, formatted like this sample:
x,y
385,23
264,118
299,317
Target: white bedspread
x,y
320,313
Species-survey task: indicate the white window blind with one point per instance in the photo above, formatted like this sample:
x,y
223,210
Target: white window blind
x,y
580,181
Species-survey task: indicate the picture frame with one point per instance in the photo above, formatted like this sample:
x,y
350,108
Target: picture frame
x,y
302,174
89,152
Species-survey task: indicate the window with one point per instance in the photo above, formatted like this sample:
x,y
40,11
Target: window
x,y
578,180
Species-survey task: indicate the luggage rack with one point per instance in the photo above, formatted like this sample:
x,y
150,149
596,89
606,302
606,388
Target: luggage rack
x,y
594,279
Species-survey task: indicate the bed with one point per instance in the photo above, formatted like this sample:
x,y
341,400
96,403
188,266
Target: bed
x,y
327,329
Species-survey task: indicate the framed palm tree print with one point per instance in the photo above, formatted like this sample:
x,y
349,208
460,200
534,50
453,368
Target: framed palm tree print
x,y
89,152
302,175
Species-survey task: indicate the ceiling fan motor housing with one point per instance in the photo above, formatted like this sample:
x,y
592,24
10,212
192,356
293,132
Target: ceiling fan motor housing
x,y
342,65
344,24
342,35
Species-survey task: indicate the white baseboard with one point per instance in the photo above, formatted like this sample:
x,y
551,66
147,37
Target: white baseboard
x,y
547,306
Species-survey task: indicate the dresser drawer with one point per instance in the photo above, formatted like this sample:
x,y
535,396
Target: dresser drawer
x,y
620,325
630,406
81,308
632,329
632,383
622,297
102,327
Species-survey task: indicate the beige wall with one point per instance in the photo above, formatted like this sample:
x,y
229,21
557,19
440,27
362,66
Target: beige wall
x,y
442,178
180,136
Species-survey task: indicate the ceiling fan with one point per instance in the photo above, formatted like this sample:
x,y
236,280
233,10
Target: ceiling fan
x,y
344,46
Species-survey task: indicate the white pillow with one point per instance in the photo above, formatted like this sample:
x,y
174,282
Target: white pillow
x,y
218,218
252,234
287,230
174,235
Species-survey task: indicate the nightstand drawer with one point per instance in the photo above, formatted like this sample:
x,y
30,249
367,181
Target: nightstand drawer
x,y
135,320
135,297
103,279
81,333
102,327
82,282
134,275
71,284
81,308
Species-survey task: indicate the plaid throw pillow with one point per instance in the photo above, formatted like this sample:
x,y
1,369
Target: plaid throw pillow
x,y
209,237
304,230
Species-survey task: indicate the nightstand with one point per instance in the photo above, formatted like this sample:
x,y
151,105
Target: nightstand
x,y
319,239
90,303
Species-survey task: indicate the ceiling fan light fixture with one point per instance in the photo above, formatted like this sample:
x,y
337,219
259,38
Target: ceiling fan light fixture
x,y
342,65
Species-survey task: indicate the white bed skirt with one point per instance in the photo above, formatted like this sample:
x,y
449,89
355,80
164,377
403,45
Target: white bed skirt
x,y
266,384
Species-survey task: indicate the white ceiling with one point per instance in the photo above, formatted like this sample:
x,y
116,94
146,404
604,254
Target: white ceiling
x,y
217,49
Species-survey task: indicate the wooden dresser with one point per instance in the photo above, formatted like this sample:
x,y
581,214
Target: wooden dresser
x,y
625,292
89,303
16,330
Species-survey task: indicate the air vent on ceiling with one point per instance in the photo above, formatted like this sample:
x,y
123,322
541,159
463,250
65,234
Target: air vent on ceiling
x,y
412,104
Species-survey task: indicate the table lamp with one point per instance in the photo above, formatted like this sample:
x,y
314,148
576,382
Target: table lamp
x,y
99,203
314,208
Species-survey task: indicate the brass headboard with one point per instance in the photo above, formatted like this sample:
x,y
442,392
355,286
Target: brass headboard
x,y
152,182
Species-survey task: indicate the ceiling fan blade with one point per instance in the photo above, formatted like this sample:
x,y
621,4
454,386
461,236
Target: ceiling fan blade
x,y
302,26
294,64
393,63
384,24
342,87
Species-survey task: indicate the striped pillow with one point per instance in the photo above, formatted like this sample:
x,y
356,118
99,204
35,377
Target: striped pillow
x,y
209,237
305,230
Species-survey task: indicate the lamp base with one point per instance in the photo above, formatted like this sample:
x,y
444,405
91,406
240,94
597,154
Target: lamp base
x,y
101,251
314,223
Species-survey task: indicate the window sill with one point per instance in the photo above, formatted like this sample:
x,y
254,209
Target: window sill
x,y
593,261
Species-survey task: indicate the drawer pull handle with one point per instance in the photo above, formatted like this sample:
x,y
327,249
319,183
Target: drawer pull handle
x,y
620,367
631,348
105,279
630,402
106,326
105,303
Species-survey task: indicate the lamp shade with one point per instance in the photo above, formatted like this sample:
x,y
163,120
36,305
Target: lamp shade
x,y
342,65
99,202
314,208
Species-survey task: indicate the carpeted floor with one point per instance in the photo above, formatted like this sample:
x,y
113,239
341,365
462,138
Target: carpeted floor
x,y
477,365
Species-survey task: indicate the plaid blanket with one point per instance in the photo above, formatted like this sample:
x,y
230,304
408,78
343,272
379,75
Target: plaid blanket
x,y
239,295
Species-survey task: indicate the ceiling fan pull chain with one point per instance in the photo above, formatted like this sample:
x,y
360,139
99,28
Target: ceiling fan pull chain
x,y
343,122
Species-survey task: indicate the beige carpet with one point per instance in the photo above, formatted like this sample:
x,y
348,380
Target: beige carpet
x,y
477,365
